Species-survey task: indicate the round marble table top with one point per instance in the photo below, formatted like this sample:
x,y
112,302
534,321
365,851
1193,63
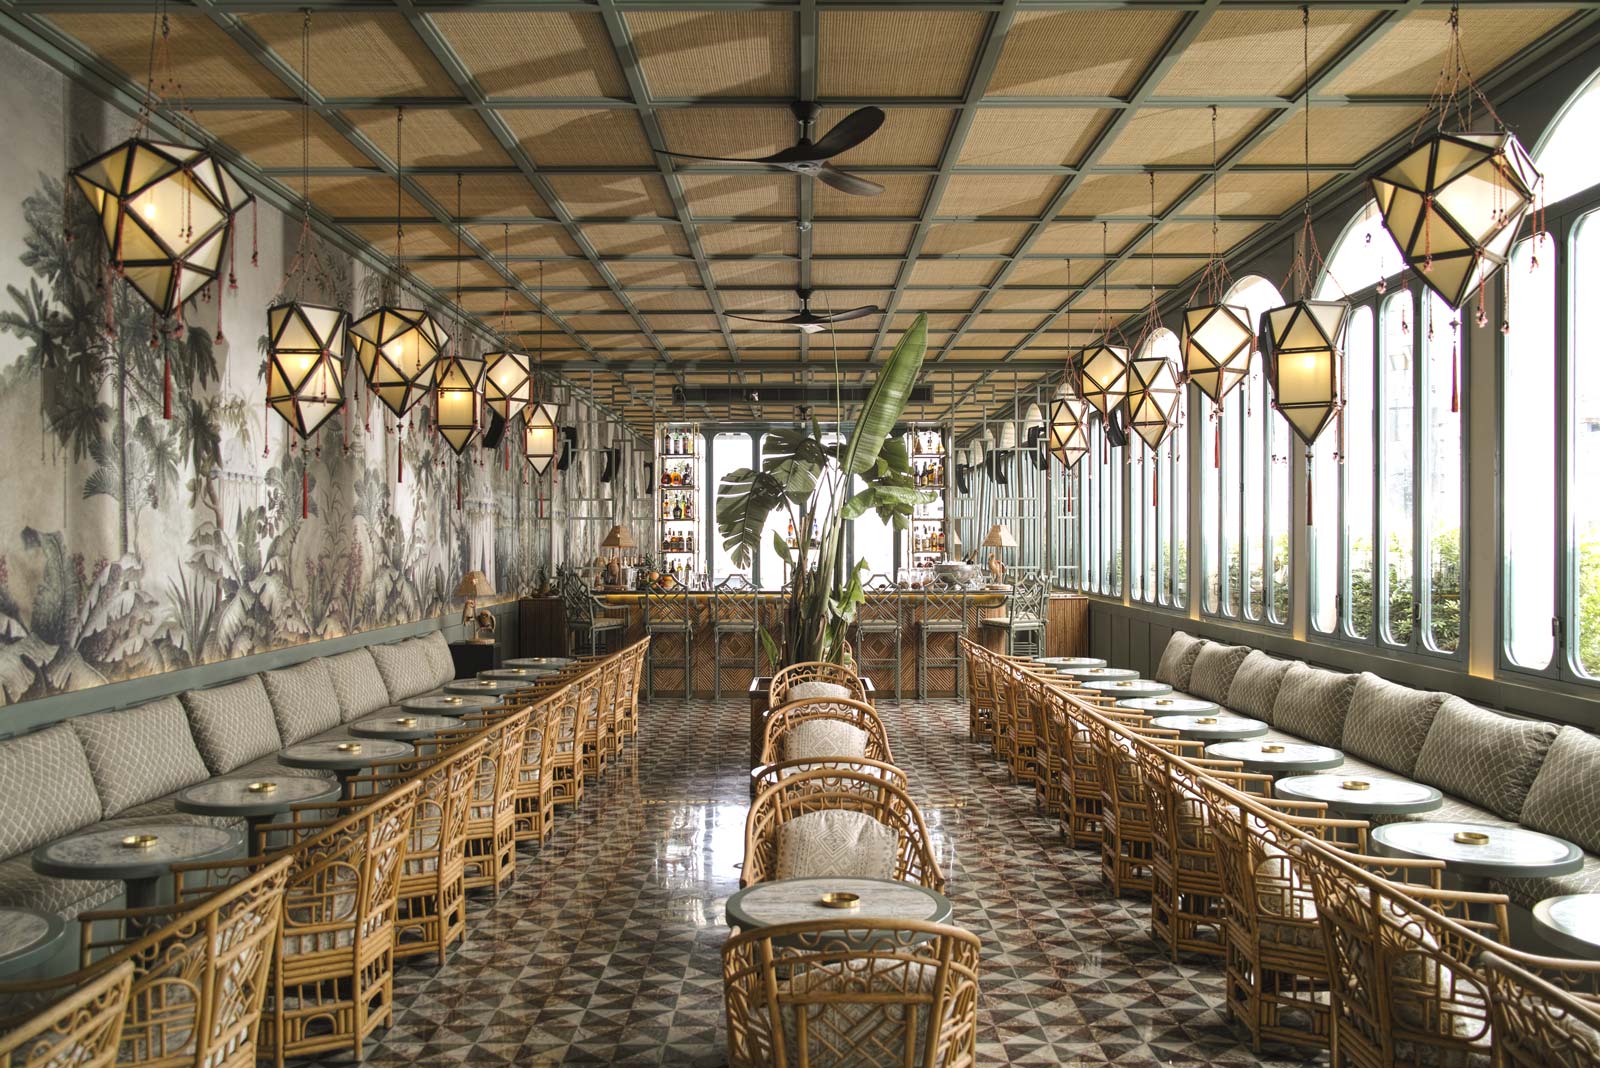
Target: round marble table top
x,y
798,900
1286,758
329,755
1127,687
1571,922
27,936
402,728
100,854
1509,850
549,663
493,687
524,675
1169,706
1069,661
1210,728
1090,674
233,797
1361,794
448,704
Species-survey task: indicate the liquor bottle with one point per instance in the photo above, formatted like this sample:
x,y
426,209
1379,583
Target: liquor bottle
x,y
677,510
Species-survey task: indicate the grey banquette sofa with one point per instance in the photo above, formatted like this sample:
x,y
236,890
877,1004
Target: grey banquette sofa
x,y
1492,768
110,768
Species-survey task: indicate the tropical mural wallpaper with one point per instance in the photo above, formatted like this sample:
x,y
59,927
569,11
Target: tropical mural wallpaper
x,y
132,543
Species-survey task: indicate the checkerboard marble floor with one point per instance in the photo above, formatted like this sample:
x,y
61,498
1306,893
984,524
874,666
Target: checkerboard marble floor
x,y
606,950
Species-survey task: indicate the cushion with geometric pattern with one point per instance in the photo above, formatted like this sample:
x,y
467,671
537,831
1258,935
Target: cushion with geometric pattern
x,y
49,791
232,724
1388,723
434,646
811,739
837,842
1213,671
1313,703
1565,797
303,700
1254,689
405,669
1177,659
357,683
1484,757
139,754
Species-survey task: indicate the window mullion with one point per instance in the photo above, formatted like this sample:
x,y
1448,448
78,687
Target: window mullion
x,y
1421,469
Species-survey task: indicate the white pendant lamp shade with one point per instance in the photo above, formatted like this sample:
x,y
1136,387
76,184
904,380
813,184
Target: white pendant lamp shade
x,y
1008,436
398,350
1454,204
539,436
1105,377
1069,437
306,349
1033,417
456,400
1217,343
977,451
1153,393
507,385
164,210
1304,348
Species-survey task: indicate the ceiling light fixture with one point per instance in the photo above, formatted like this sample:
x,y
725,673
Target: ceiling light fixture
x,y
1069,432
540,438
1104,366
459,376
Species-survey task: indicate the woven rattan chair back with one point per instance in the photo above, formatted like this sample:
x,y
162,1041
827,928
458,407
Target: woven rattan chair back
x,y
83,1029
814,671
535,810
1545,1012
491,840
771,774
782,721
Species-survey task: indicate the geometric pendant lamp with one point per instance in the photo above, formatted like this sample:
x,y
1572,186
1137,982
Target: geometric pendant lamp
x,y
507,385
1218,340
307,345
1068,432
540,436
456,400
1104,371
1153,393
1304,348
1454,204
165,211
398,350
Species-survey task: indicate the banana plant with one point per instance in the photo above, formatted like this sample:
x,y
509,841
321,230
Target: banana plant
x,y
810,480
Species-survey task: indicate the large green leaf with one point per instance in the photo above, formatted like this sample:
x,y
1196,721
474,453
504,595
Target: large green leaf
x,y
744,500
888,398
795,459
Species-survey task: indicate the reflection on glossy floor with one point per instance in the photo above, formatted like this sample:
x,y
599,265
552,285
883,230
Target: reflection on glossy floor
x,y
606,949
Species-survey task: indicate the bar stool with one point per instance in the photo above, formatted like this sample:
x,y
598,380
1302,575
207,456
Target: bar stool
x,y
668,613
735,610
587,621
944,613
1023,622
879,618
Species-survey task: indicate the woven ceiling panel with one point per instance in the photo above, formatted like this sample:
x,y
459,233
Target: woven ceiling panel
x,y
441,274
886,54
903,195
1196,236
1109,50
558,273
563,302
996,238
1053,272
1045,137
748,239
715,53
636,239
937,321
909,137
977,195
683,323
422,239
550,239
1030,299
205,59
1408,58
1009,320
1123,194
1180,135
1258,52
355,195
689,300
495,195
653,273
1083,239
953,272
272,139
771,273
360,53
939,300
597,137
759,302
489,304
435,137
1254,193
612,195
855,272
709,130
983,339
1136,271
722,195
1338,135
558,53
615,342
860,239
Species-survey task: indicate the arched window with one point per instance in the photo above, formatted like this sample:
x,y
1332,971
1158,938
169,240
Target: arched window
x,y
1158,549
1100,513
1363,256
1565,153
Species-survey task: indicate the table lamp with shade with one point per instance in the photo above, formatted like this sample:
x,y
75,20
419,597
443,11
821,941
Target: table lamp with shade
x,y
614,547
999,537
475,584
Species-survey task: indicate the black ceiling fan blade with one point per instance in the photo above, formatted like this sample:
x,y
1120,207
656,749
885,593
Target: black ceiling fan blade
x,y
849,132
850,313
717,159
792,320
848,183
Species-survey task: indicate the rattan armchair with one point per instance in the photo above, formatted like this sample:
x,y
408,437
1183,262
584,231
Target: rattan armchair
x,y
781,722
1127,831
1406,984
1544,1011
535,814
81,1030
885,992
981,692
835,789
333,969
770,774
814,671
490,856
600,719
632,678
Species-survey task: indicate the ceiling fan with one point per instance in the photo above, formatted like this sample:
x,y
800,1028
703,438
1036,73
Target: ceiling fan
x,y
811,157
809,321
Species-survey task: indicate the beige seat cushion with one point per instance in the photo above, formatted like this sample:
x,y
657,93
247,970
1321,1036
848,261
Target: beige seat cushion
x,y
836,842
406,669
139,754
232,724
22,887
1213,671
437,650
357,683
804,691
1312,703
47,787
1388,723
1254,689
1565,797
813,738
1482,756
304,701
1177,659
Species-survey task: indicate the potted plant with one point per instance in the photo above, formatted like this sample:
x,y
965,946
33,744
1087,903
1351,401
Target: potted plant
x,y
810,480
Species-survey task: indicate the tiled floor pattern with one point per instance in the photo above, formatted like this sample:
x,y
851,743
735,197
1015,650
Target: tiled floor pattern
x,y
606,949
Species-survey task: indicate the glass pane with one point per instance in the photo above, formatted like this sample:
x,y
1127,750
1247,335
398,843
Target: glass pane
x,y
1442,503
1210,514
1114,521
729,452
1584,444
1364,256
1254,471
1180,510
1232,427
1529,443
1323,533
1565,154
1358,476
1398,463
1138,523
1280,450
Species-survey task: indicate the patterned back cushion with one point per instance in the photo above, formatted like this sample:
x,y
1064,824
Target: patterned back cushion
x,y
139,754
438,653
823,738
804,691
1312,703
303,700
1565,797
1177,659
357,684
1254,689
405,670
1214,668
232,724
836,842
1482,756
48,790
1388,723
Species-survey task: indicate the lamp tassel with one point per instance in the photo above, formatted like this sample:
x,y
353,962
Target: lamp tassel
x,y
399,461
458,487
1310,497
1216,448
305,490
1455,366
166,383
